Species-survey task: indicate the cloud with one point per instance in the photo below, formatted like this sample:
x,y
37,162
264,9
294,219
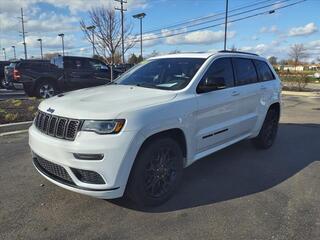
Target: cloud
x,y
199,37
45,22
308,29
271,49
52,42
272,29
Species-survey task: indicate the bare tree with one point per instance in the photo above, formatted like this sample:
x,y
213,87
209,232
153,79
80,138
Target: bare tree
x,y
297,52
273,60
107,33
299,80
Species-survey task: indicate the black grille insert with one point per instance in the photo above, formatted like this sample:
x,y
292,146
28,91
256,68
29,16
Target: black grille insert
x,y
53,170
88,176
57,126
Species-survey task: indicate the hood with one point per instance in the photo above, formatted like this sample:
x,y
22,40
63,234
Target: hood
x,y
104,102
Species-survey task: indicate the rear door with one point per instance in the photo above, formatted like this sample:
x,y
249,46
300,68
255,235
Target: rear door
x,y
266,78
248,92
217,109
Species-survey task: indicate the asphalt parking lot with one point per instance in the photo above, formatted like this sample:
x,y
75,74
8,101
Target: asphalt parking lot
x,y
237,193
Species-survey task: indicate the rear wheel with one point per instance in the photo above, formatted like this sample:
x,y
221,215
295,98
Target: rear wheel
x,y
157,172
4,84
268,131
46,89
28,90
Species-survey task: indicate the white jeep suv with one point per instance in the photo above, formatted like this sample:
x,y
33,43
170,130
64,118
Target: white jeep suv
x,y
136,134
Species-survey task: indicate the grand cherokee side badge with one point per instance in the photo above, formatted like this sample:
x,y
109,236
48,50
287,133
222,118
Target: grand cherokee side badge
x,y
50,110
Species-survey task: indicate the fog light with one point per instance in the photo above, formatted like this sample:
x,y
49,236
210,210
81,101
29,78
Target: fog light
x,y
84,156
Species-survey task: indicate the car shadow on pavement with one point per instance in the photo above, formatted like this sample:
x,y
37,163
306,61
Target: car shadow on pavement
x,y
241,170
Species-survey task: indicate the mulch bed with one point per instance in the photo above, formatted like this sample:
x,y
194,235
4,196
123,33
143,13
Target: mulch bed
x,y
16,110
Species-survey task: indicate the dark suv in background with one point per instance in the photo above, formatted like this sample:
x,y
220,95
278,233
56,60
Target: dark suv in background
x,y
61,74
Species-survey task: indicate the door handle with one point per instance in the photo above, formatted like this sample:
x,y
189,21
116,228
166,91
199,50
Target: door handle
x,y
235,93
263,87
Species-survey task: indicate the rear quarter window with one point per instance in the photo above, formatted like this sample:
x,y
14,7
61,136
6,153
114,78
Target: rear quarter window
x,y
264,71
245,71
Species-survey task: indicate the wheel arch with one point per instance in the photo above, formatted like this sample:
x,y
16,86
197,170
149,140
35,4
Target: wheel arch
x,y
276,106
174,133
42,79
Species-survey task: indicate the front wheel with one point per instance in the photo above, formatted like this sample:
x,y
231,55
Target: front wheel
x,y
268,130
46,89
156,173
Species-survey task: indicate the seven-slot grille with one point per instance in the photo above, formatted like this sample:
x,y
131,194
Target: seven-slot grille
x,y
57,126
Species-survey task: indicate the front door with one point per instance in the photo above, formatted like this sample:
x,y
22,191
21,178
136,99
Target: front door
x,y
101,73
249,92
217,109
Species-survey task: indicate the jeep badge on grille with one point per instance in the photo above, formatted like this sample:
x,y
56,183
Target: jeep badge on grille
x,y
50,110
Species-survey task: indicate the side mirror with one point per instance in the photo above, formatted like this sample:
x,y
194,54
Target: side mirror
x,y
211,84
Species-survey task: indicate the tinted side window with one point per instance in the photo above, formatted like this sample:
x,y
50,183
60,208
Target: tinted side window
x,y
58,61
220,71
75,63
97,65
245,71
264,72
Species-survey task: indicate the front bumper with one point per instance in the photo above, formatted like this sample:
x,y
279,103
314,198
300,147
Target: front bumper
x,y
114,168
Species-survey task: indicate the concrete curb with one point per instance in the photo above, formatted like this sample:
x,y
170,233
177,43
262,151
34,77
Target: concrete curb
x,y
14,132
303,94
14,127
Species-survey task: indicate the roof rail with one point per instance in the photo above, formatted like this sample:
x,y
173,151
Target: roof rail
x,y
229,51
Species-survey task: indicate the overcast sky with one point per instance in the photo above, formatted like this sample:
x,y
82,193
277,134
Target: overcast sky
x,y
269,34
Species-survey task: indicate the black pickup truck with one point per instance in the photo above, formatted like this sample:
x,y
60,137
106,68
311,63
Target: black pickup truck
x,y
2,78
60,75
12,75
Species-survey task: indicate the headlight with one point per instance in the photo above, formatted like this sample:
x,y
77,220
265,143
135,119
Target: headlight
x,y
103,126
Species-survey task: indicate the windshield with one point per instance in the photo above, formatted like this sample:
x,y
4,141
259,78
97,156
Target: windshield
x,y
166,73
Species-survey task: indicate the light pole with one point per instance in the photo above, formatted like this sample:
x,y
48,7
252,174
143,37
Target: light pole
x,y
62,41
4,53
225,27
140,16
40,40
92,28
14,52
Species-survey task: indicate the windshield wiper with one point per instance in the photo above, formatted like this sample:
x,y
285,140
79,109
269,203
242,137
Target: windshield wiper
x,y
112,82
148,85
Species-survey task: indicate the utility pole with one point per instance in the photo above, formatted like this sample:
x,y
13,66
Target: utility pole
x,y
23,35
225,27
14,52
62,41
40,40
140,16
92,28
4,53
121,9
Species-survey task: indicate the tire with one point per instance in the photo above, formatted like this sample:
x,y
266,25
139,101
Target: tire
x,y
4,84
1,83
156,173
28,90
268,131
46,89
